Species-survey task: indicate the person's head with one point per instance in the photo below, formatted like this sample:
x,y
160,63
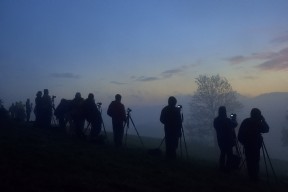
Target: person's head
x,y
39,94
118,97
172,101
222,111
77,95
46,92
91,96
256,113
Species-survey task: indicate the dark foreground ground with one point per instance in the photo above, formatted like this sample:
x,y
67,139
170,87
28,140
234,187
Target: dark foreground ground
x,y
46,160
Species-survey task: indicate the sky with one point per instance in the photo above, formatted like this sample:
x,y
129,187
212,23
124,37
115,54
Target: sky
x,y
146,50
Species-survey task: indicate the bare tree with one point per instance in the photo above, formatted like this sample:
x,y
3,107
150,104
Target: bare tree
x,y
212,92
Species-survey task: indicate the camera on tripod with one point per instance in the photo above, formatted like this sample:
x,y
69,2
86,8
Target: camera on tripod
x,y
233,116
129,110
53,97
179,106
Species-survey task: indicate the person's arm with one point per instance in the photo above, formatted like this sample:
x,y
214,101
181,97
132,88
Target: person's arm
x,y
264,126
215,123
180,123
234,123
109,110
162,117
123,113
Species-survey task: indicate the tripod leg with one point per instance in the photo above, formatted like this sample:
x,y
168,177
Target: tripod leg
x,y
243,160
104,129
243,163
136,131
180,142
238,149
263,145
184,142
161,143
87,129
267,174
126,124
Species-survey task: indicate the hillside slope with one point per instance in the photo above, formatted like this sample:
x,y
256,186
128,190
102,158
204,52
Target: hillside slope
x,y
46,160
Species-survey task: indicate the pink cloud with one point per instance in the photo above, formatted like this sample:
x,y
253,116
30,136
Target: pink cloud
x,y
272,60
281,38
237,59
277,62
254,56
250,77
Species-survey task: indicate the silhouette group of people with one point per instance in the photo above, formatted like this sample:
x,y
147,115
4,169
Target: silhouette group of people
x,y
19,112
78,110
43,109
249,135
28,107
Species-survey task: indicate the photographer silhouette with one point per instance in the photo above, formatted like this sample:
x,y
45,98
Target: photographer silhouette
x,y
250,136
224,127
116,111
172,120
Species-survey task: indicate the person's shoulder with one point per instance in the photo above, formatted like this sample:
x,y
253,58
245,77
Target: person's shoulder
x,y
165,108
216,118
246,121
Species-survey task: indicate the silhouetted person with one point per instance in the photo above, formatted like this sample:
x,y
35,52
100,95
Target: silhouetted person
x,y
225,130
93,116
12,111
4,116
171,118
28,106
116,111
62,112
20,112
77,115
37,109
250,136
46,109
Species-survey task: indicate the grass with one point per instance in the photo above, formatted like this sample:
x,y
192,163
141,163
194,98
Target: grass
x,y
47,160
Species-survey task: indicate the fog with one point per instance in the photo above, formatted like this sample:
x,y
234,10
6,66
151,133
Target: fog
x,y
274,107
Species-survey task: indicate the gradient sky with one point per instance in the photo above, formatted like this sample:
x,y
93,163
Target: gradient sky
x,y
145,50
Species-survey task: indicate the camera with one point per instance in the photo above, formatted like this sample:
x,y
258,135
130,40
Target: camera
x,y
179,106
99,104
233,116
129,110
53,96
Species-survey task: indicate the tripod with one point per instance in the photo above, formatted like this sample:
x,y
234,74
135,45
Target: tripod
x,y
102,124
242,161
127,124
53,119
266,155
101,119
182,134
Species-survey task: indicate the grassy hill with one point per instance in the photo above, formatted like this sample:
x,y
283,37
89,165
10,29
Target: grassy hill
x,y
48,160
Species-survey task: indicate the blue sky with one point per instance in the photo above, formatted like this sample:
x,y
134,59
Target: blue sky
x,y
145,50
